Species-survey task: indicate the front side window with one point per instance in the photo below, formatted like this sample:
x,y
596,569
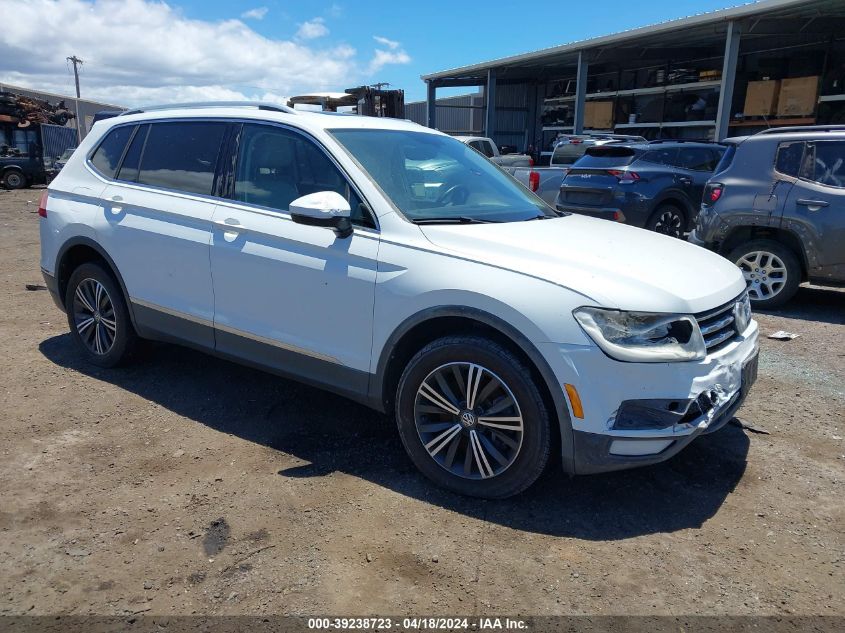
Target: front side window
x,y
824,163
108,154
182,155
276,166
788,160
487,149
434,177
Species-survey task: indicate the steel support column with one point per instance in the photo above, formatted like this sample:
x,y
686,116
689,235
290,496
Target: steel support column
x,y
490,97
431,104
726,94
580,93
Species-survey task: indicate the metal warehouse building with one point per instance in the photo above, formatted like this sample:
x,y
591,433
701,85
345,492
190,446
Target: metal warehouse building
x,y
719,74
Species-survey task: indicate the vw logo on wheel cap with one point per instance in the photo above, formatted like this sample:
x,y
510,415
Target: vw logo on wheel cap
x,y
468,419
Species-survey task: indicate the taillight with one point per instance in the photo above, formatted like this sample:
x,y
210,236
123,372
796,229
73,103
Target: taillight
x,y
42,204
534,180
713,193
623,175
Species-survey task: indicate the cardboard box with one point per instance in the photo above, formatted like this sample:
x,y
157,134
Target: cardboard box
x,y
598,115
798,96
761,98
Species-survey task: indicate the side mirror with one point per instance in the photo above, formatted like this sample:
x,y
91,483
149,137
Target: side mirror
x,y
325,208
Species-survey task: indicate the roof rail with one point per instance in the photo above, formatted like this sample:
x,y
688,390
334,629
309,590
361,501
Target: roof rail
x,y
803,128
261,105
682,140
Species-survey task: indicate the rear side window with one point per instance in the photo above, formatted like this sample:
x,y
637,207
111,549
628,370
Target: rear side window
x,y
107,156
182,156
662,156
697,158
788,160
824,163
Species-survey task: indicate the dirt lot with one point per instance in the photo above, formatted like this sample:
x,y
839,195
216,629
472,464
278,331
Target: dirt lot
x,y
184,484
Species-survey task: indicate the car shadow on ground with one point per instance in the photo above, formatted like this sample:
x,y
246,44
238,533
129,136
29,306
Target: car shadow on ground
x,y
332,434
812,303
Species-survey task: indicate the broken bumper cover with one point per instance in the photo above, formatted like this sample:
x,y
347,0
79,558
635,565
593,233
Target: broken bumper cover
x,y
637,414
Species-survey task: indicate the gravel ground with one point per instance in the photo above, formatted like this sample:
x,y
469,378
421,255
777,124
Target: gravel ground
x,y
189,485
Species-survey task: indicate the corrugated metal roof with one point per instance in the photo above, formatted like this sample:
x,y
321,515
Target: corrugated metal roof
x,y
702,19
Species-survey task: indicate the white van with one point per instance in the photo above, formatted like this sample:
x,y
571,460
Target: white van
x,y
394,265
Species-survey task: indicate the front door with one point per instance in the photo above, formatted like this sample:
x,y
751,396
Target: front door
x,y
292,297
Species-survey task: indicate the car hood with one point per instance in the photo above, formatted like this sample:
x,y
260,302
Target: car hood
x,y
615,265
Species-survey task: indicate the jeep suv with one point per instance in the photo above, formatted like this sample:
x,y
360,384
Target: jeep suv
x,y
657,185
396,266
776,208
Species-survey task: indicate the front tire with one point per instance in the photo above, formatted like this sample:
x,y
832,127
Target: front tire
x,y
669,220
472,419
771,271
98,317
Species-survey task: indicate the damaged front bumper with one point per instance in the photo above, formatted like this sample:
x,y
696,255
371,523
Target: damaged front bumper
x,y
643,413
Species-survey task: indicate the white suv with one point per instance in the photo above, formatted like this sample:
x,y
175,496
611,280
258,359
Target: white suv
x,y
394,265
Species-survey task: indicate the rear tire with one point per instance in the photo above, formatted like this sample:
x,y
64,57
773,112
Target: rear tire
x,y
491,438
771,271
98,317
14,179
668,219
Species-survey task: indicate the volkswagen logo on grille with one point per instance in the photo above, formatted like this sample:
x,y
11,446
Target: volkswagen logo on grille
x,y
467,419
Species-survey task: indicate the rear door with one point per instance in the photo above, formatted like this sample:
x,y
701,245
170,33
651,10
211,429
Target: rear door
x,y
695,166
157,223
815,207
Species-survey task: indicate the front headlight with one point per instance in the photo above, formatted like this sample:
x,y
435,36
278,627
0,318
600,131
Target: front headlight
x,y
643,337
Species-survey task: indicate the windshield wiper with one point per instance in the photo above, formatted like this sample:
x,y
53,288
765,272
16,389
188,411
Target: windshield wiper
x,y
460,219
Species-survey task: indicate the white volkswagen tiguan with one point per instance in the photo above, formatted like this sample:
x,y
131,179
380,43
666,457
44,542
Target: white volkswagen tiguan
x,y
396,266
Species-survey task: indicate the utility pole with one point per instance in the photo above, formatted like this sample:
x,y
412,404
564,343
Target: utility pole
x,y
77,62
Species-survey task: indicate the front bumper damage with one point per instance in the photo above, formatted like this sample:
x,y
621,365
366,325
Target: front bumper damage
x,y
637,414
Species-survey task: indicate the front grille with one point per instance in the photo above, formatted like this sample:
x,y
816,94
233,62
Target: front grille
x,y
717,325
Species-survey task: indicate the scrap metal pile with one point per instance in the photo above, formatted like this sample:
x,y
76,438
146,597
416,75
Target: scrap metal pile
x,y
25,111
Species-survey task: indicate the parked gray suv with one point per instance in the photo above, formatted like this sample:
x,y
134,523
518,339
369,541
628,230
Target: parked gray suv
x,y
776,207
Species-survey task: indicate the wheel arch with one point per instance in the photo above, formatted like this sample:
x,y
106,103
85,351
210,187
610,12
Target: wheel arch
x,y
424,327
77,251
676,198
787,238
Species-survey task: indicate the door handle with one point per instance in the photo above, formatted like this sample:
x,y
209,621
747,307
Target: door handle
x,y
116,209
818,204
230,224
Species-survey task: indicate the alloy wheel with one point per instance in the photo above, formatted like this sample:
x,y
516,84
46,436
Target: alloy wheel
x,y
765,274
94,317
670,223
468,420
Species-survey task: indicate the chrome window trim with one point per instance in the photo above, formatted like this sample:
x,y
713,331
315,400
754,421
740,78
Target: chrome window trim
x,y
217,199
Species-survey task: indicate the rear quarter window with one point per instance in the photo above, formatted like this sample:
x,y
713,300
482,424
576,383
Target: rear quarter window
x,y
106,157
788,158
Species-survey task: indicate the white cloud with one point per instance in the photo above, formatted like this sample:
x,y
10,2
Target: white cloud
x,y
312,29
393,54
391,44
144,51
257,13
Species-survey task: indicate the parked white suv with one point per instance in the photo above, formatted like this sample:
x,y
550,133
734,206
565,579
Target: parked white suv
x,y
394,265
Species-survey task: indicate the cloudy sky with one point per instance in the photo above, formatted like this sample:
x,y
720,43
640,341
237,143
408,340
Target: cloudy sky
x,y
146,51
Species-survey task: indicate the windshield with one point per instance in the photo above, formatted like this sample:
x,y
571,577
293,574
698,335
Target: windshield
x,y
433,177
